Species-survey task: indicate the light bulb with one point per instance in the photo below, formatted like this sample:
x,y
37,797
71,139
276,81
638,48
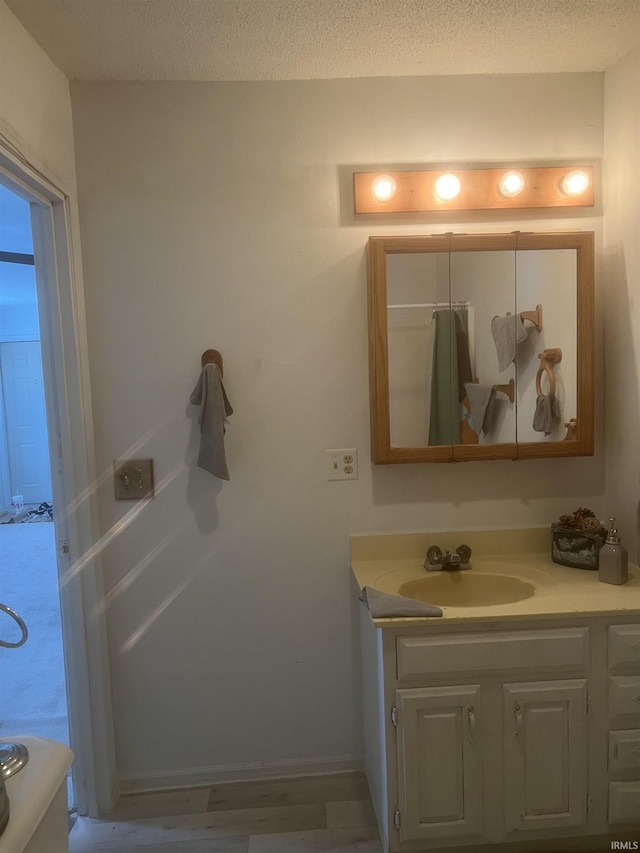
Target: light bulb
x,y
511,184
447,187
383,188
575,183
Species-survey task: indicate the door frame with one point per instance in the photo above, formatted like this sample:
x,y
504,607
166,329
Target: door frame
x,y
55,227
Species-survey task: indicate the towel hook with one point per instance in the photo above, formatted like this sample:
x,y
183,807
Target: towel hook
x,y
548,358
534,316
572,430
507,389
212,356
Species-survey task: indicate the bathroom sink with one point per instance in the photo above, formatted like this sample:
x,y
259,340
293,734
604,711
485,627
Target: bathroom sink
x,y
467,589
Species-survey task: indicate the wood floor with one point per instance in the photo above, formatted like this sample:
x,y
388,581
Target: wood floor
x,y
326,814
319,814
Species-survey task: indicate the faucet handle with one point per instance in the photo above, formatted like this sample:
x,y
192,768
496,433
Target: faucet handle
x,y
434,557
464,552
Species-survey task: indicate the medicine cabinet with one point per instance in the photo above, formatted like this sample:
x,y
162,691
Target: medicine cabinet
x,y
481,346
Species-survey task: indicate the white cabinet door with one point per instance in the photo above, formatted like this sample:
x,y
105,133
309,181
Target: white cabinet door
x,y
545,754
439,762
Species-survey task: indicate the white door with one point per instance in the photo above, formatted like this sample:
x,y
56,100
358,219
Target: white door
x,y
545,754
439,762
25,421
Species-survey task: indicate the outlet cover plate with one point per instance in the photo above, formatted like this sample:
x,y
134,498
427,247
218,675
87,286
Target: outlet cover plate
x,y
133,479
342,464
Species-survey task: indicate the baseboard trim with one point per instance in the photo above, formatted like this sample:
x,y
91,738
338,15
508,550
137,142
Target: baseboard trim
x,y
197,777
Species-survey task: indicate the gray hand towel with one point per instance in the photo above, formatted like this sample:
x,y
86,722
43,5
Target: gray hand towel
x,y
547,411
507,333
215,407
384,604
480,402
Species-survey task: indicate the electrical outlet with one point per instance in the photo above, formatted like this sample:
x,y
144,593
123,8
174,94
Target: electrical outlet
x,y
342,464
133,479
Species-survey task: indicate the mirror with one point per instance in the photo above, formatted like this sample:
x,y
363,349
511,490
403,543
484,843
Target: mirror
x,y
481,346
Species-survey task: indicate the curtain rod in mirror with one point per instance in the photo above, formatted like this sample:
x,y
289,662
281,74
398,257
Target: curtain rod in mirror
x,y
473,189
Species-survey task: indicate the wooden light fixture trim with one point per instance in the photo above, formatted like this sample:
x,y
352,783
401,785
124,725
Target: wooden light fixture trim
x,y
415,192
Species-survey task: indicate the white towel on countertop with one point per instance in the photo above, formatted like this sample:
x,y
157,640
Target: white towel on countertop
x,y
215,408
385,604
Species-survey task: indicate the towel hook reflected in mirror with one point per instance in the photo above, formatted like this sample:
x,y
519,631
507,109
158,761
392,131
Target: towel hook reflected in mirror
x,y
548,358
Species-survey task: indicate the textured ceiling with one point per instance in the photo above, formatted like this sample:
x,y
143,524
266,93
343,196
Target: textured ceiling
x,y
302,39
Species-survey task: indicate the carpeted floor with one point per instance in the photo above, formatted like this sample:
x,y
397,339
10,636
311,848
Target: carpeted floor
x,y
33,698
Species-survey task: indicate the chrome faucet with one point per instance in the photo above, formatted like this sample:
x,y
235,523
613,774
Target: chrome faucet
x,y
436,561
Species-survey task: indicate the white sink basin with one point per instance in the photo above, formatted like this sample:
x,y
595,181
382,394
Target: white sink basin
x,y
467,589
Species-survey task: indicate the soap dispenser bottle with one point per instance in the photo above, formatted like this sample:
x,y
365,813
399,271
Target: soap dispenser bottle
x,y
613,559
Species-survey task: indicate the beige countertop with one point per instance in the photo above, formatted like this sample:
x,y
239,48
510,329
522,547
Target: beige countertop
x,y
387,561
31,792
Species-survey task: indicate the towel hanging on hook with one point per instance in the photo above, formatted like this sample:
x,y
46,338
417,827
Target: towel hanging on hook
x,y
215,408
547,407
507,332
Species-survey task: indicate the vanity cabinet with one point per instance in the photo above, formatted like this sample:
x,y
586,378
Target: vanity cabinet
x,y
440,733
486,733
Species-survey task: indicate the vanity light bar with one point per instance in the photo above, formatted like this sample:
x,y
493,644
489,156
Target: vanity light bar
x,y
473,189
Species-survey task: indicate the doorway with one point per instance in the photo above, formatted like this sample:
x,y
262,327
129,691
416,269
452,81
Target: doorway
x,y
34,699
72,523
25,473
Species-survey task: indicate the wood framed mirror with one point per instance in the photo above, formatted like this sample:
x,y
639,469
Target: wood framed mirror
x,y
481,346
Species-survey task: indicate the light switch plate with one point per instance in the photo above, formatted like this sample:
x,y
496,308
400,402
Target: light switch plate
x,y
133,479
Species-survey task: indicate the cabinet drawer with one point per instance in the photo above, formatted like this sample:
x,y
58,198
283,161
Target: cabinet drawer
x,y
624,695
624,802
624,750
521,650
624,645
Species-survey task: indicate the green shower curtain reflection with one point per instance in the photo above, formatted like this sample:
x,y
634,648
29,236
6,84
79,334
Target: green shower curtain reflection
x,y
451,369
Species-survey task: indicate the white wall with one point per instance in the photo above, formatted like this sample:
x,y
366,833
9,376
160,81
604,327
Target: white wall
x,y
622,306
35,107
219,215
